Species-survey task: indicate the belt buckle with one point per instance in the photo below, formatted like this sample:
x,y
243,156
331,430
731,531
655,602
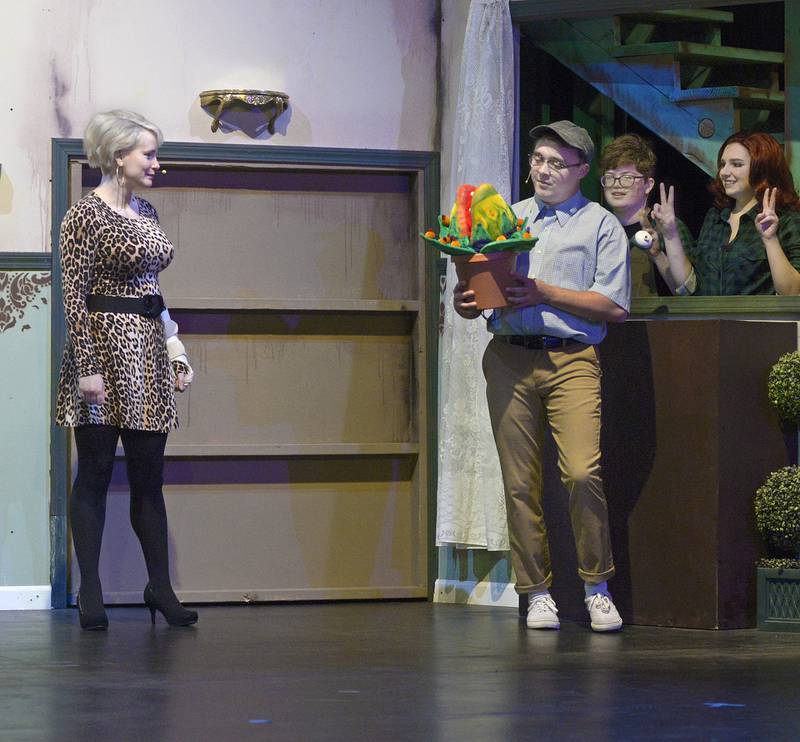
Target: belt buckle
x,y
151,306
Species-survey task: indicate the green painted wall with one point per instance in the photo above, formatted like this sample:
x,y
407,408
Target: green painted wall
x,y
24,427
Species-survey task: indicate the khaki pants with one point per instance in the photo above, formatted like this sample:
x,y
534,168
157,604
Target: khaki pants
x,y
524,388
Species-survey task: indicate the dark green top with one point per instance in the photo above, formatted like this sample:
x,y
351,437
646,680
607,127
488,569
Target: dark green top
x,y
741,267
645,278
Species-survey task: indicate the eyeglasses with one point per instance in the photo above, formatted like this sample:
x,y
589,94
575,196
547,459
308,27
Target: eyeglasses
x,y
626,180
537,161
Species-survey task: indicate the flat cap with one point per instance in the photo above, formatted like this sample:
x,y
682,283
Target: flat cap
x,y
569,133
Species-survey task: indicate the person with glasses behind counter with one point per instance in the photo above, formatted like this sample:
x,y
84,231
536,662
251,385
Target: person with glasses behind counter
x,y
628,165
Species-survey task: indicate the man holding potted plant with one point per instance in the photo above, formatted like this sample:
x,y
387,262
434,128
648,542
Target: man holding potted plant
x,y
541,367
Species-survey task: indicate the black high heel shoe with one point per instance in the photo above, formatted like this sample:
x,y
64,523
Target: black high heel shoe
x,y
93,620
169,606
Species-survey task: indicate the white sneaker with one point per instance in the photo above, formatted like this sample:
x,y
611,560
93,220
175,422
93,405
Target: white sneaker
x,y
603,613
542,613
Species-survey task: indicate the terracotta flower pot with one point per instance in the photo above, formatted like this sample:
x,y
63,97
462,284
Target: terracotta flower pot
x,y
487,275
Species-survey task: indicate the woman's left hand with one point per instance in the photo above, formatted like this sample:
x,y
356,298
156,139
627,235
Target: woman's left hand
x,y
767,219
180,382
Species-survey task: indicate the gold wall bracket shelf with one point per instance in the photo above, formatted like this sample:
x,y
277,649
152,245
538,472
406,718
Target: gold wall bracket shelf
x,y
271,103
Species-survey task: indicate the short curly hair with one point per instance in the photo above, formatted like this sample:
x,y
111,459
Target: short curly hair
x,y
112,133
629,148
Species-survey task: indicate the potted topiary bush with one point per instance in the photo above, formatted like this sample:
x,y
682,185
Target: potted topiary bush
x,y
783,390
777,509
783,386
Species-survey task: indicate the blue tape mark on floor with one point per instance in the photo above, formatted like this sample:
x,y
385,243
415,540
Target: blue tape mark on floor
x,y
261,721
723,705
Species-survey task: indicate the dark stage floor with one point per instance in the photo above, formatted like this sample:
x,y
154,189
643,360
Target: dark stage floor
x,y
387,671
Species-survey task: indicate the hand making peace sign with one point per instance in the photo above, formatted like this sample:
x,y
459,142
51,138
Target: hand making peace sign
x,y
664,212
767,219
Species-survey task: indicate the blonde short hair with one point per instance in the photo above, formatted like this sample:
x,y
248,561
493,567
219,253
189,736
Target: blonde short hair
x,y
112,133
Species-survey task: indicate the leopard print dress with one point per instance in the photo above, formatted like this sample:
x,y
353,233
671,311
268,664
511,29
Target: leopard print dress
x,y
103,252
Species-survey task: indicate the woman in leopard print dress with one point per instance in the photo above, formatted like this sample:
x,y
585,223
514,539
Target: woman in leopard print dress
x,y
117,379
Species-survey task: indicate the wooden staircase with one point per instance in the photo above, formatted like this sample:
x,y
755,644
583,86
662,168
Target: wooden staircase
x,y
670,71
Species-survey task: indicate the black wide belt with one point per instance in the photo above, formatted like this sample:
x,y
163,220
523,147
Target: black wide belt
x,y
150,305
537,342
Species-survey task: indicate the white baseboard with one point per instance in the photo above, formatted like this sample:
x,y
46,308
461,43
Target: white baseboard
x,y
500,594
25,598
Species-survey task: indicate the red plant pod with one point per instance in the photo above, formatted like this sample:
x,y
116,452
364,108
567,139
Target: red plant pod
x,y
462,212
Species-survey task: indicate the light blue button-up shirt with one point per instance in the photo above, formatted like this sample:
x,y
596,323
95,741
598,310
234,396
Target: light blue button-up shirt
x,y
581,246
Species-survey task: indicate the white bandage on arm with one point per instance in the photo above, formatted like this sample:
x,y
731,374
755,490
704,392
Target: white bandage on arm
x,y
175,348
170,325
689,286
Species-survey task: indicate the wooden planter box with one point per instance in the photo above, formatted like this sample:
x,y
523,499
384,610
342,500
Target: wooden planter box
x,y
778,599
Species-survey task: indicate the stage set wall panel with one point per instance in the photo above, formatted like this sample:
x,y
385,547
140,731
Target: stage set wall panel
x,y
252,390
24,437
341,245
283,529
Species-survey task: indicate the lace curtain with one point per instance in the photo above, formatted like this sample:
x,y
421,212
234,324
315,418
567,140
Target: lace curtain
x,y
471,508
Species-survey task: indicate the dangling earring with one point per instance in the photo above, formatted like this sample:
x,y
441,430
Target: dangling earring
x,y
119,176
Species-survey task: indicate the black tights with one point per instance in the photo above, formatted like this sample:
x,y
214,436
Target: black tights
x,y
144,458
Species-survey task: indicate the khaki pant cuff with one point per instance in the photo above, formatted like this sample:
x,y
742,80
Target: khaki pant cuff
x,y
594,578
525,589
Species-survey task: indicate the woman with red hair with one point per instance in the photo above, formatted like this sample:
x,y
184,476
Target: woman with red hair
x,y
750,240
